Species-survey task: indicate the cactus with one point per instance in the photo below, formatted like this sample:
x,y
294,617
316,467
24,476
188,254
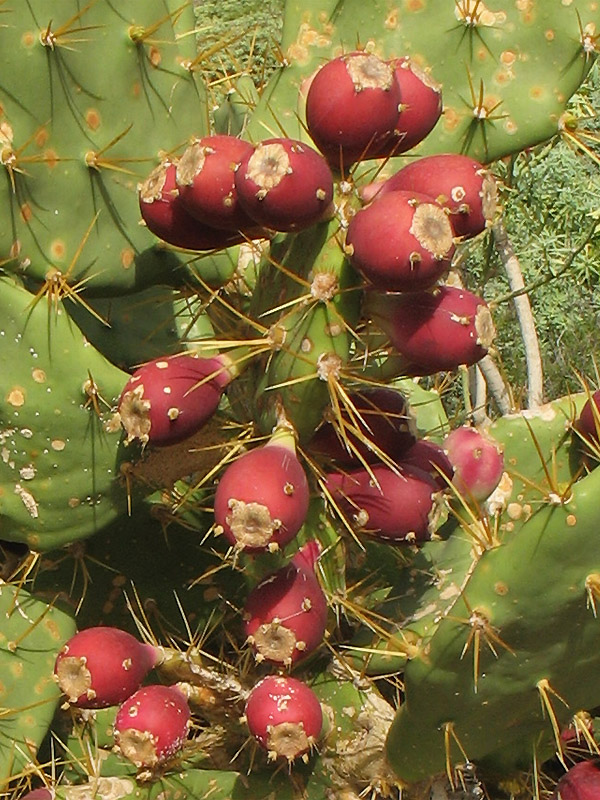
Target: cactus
x,y
266,510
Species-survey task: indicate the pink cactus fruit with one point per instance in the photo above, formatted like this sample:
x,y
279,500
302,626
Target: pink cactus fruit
x,y
463,186
285,185
284,716
166,216
152,725
580,782
286,614
262,498
380,415
400,507
205,177
43,793
169,399
420,109
477,459
431,458
401,242
435,330
352,108
102,666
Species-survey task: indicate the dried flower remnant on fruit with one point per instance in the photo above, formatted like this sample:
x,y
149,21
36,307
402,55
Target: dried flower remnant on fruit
x,y
430,226
369,72
251,524
267,167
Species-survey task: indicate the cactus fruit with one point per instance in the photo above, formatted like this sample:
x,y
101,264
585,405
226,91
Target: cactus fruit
x,y
580,782
436,330
284,716
394,506
101,666
168,217
205,177
421,105
286,614
431,458
284,185
377,424
477,460
152,725
352,108
401,242
461,185
262,498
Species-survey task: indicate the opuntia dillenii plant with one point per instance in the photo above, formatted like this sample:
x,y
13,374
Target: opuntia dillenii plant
x,y
297,515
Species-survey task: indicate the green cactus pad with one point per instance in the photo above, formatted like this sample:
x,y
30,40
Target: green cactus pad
x,y
511,656
59,466
32,632
108,91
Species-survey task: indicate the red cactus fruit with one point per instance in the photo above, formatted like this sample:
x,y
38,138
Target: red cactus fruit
x,y
401,242
477,459
436,330
460,184
587,424
380,415
100,667
580,782
169,399
352,108
430,457
205,177
43,793
166,216
420,109
286,614
152,725
262,498
400,507
284,716
284,185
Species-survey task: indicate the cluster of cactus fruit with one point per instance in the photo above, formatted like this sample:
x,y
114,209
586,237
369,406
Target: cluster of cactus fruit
x,y
238,532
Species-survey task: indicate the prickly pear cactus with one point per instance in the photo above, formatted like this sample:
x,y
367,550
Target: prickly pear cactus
x,y
461,632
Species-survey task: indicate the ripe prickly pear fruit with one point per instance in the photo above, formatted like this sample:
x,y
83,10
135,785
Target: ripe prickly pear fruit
x,y
284,185
430,457
166,216
587,424
284,716
286,614
205,177
352,108
460,184
435,330
380,415
262,498
152,725
401,242
580,782
477,460
399,507
43,793
169,399
101,666
421,105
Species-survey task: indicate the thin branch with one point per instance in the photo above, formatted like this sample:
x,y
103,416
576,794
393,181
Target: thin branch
x,y
510,262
